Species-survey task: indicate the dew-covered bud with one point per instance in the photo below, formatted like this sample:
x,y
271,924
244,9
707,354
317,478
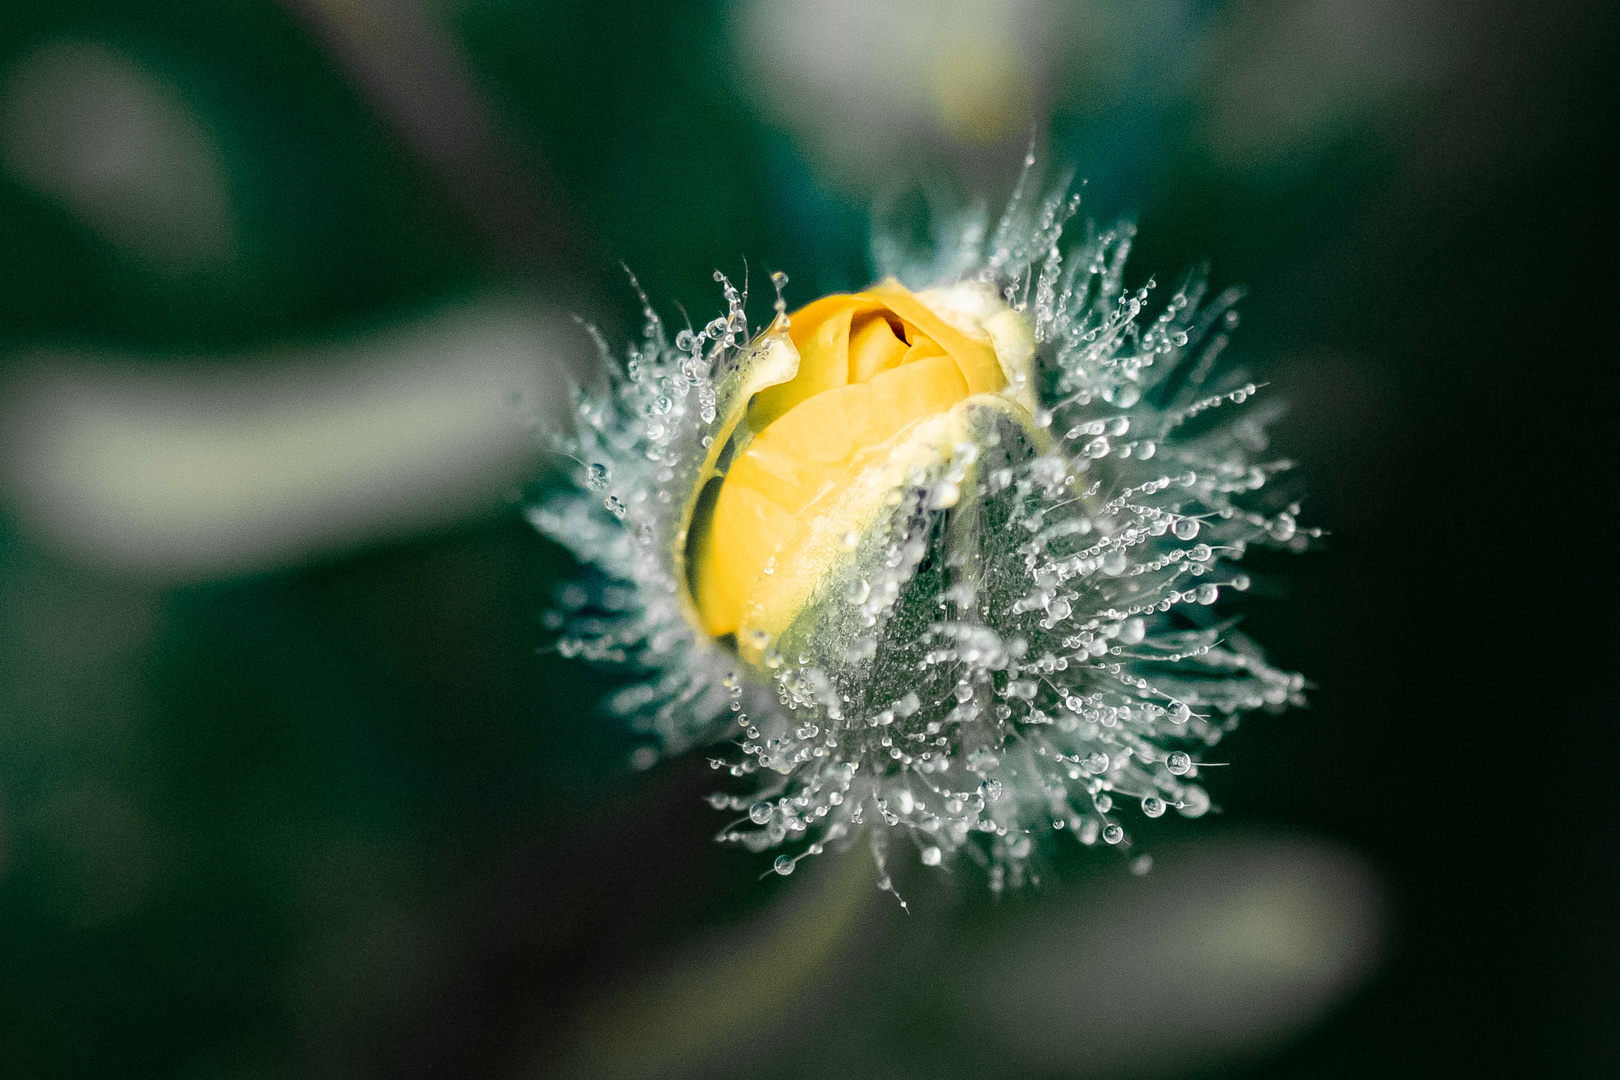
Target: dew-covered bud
x,y
949,555
883,413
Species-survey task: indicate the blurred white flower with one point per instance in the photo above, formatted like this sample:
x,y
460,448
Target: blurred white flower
x,y
866,80
1229,947
869,86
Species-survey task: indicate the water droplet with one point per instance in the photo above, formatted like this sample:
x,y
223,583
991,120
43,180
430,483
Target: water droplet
x,y
1179,762
931,856
982,759
992,790
784,865
597,477
944,495
770,565
1153,806
684,341
1282,527
1179,713
1208,594
1112,833
760,812
1185,528
857,591
1095,762
615,505
1194,801
851,539
1058,610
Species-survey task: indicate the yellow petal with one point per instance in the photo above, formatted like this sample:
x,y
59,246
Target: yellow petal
x,y
810,453
976,359
976,309
874,346
820,330
770,360
804,609
922,347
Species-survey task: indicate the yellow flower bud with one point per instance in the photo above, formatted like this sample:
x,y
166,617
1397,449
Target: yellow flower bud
x,y
882,383
919,557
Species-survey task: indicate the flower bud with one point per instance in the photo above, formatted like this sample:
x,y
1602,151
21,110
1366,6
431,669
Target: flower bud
x,y
885,386
938,562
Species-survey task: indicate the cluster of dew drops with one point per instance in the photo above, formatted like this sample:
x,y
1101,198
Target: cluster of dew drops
x,y
640,441
1062,663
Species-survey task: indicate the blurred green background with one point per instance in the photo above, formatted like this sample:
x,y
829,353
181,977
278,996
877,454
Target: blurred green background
x,y
289,786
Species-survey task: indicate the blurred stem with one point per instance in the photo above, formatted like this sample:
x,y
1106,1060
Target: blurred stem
x,y
415,77
732,996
